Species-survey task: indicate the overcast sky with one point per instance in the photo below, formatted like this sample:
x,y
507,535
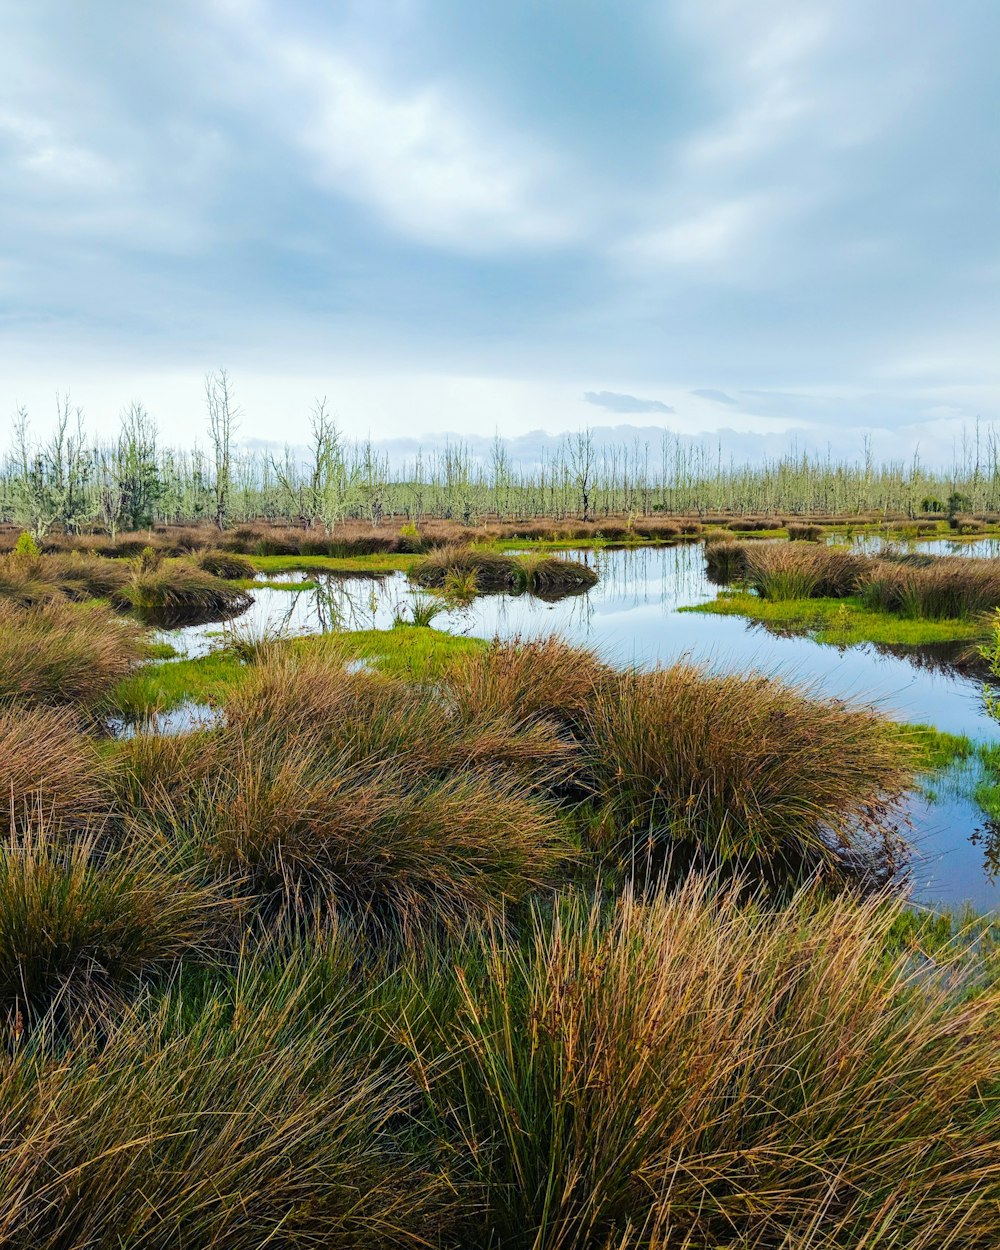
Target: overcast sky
x,y
763,216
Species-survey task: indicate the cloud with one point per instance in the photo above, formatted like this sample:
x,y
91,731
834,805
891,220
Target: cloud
x,y
421,155
614,401
717,397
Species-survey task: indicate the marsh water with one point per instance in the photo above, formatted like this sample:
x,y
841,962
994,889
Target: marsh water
x,y
633,616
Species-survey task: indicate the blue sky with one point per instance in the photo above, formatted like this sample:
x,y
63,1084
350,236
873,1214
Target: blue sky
x,y
770,217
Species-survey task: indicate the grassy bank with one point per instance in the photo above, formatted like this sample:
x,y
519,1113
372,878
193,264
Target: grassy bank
x,y
842,622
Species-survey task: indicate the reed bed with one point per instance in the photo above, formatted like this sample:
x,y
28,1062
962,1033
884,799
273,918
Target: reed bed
x,y
725,561
804,533
947,587
227,565
383,962
371,797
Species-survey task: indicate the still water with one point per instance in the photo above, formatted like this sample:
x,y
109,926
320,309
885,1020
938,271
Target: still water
x,y
633,616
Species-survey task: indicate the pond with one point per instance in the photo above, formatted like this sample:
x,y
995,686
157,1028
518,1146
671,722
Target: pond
x,y
632,616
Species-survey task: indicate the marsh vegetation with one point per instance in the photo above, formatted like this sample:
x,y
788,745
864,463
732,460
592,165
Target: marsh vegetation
x,y
427,940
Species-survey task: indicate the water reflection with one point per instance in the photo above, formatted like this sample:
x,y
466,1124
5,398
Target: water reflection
x,y
633,616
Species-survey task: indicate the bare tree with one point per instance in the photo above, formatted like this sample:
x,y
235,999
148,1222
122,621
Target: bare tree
x,y
223,421
580,451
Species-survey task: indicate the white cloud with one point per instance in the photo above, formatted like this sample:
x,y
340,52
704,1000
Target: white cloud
x,y
421,156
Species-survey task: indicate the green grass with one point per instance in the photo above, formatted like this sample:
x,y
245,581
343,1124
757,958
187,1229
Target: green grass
x,y
379,563
406,651
840,622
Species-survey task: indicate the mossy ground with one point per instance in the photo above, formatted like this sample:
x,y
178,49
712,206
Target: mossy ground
x,y
840,622
404,651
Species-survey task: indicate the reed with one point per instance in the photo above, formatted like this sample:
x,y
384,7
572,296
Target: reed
x,y
944,587
804,533
725,561
792,572
539,575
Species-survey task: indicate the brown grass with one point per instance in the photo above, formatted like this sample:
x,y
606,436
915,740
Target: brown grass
x,y
60,653
694,1072
50,771
744,771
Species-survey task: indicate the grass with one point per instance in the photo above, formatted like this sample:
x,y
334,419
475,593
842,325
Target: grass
x,y
260,1117
842,622
330,788
50,770
747,772
405,950
61,653
176,593
494,571
81,926
693,1071
362,564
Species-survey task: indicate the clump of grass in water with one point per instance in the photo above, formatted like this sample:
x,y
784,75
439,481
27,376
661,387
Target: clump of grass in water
x,y
227,565
178,592
494,572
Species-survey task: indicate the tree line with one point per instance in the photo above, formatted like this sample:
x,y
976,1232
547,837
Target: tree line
x,y
134,480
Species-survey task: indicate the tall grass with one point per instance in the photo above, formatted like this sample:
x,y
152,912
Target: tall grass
x,y
49,770
745,771
338,789
793,572
692,1071
81,924
947,587
60,653
257,1117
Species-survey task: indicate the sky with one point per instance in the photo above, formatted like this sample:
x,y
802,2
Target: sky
x,y
749,220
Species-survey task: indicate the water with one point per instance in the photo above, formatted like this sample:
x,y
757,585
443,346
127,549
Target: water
x,y
632,616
